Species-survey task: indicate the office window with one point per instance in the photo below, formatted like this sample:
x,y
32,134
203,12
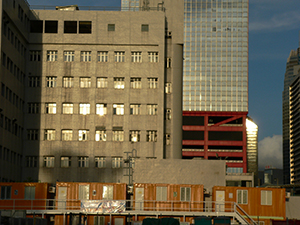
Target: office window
x,y
185,194
153,57
110,27
35,56
85,27
136,57
66,135
70,27
100,162
102,56
151,135
119,56
5,192
83,135
135,109
34,81
116,162
31,161
108,192
152,109
84,108
145,27
119,83
67,108
69,56
49,161
33,108
168,114
168,63
85,56
168,139
36,26
49,135
168,88
135,82
51,26
242,196
266,197
85,82
51,56
83,161
101,109
134,135
65,161
29,193
101,82
32,135
68,82
161,193
118,109
100,135
152,83
50,108
118,134
51,82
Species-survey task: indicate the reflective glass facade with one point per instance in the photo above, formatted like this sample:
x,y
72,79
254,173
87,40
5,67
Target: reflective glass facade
x,y
252,148
215,55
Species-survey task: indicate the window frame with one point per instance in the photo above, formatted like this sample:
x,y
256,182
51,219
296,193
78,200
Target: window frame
x,y
49,161
65,161
51,55
49,134
100,161
85,56
242,197
84,108
66,135
102,82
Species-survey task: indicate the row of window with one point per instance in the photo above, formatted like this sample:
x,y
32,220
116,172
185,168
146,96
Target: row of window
x,y
101,82
266,197
100,135
12,97
10,156
6,191
86,56
13,68
101,109
11,125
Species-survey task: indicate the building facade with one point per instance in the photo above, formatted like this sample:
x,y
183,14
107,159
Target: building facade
x,y
95,87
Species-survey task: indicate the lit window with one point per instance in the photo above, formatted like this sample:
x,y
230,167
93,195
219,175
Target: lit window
x,y
69,56
32,135
85,82
101,82
49,161
135,82
153,57
136,57
119,83
100,162
65,161
50,108
116,162
83,161
266,197
151,135
49,135
33,108
85,56
68,82
29,193
118,134
134,109
152,83
101,109
168,88
5,192
242,196
185,194
84,108
67,108
108,191
152,109
134,136
31,161
168,114
168,139
33,81
118,109
145,27
119,56
161,193
102,56
83,135
51,56
51,82
100,135
67,135
35,56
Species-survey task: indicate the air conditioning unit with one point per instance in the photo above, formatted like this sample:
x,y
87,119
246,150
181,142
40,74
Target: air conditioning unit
x,y
51,189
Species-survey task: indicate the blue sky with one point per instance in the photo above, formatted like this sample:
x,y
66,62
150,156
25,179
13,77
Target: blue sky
x,y
273,32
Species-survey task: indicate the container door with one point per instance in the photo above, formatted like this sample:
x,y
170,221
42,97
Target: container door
x,y
139,199
62,197
119,221
220,201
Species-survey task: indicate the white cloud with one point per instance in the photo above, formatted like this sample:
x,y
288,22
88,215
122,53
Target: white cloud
x,y
270,152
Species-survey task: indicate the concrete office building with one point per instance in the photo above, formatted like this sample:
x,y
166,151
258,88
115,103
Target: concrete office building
x,y
292,67
87,87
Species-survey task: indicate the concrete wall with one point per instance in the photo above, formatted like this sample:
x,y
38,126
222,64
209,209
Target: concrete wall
x,y
292,207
